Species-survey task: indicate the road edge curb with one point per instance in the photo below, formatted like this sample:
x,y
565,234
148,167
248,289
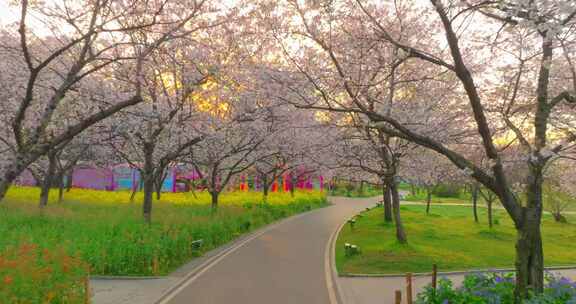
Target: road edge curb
x,y
221,253
334,288
456,272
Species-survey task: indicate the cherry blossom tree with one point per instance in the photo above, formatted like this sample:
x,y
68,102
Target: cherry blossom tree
x,y
559,190
153,135
429,170
369,152
226,153
60,163
340,76
69,71
512,50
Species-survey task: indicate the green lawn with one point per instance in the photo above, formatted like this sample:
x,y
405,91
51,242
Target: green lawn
x,y
465,198
447,237
107,232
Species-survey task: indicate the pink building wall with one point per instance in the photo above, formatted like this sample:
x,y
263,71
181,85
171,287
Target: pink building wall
x,y
93,178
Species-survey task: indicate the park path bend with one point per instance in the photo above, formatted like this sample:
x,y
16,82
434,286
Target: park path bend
x,y
284,265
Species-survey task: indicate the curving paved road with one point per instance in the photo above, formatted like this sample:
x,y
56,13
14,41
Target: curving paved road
x,y
284,264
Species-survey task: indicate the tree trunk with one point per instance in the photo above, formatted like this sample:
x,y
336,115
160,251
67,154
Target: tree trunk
x,y
11,172
475,202
147,176
558,217
529,252
428,199
400,233
265,194
529,255
334,185
158,181
293,181
214,195
47,181
412,189
147,203
133,194
387,203
69,180
265,187
60,187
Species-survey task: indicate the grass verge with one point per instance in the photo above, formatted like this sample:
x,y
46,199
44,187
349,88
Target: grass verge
x,y
447,237
106,231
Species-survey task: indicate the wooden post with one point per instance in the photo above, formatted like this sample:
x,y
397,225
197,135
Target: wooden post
x,y
409,288
86,290
398,297
155,265
434,277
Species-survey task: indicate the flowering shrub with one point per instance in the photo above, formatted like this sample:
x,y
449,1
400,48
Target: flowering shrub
x,y
496,288
29,274
559,290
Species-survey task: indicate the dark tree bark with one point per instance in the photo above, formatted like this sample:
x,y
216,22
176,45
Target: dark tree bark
x,y
147,176
489,197
529,252
60,187
387,203
133,193
12,171
475,202
265,188
265,195
69,180
214,204
48,179
158,191
334,185
400,233
147,203
293,181
428,199
558,217
160,175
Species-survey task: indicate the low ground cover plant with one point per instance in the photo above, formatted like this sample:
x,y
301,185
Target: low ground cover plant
x,y
492,288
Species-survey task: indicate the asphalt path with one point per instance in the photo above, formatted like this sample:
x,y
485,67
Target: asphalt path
x,y
285,264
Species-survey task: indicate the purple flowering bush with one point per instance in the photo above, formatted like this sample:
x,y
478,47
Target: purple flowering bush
x,y
496,288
